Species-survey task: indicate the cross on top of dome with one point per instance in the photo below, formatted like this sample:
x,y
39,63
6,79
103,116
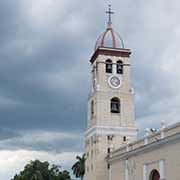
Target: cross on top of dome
x,y
110,13
109,38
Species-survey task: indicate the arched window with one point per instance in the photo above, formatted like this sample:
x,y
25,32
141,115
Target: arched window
x,y
154,175
108,66
119,67
115,105
92,108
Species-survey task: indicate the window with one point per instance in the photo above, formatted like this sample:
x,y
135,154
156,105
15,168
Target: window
x,y
119,67
91,153
115,105
110,137
88,142
97,151
108,66
108,150
108,166
92,140
92,108
124,138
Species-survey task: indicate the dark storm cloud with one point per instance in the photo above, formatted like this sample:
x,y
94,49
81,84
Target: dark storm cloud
x,y
24,76
45,49
8,134
34,61
51,141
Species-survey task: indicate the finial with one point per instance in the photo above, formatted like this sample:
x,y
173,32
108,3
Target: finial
x,y
110,13
147,131
163,125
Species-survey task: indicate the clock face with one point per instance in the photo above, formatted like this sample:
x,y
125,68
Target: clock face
x,y
114,82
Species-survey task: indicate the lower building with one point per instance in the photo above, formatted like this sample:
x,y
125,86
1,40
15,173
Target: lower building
x,y
154,157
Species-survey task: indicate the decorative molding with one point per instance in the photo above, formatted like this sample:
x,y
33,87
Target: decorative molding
x,y
110,130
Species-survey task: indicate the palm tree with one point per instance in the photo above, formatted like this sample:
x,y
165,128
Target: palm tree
x,y
79,167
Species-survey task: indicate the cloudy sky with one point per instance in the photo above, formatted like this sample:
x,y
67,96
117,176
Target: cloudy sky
x,y
45,46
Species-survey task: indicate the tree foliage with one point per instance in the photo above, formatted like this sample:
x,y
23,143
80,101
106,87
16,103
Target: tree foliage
x,y
37,170
79,167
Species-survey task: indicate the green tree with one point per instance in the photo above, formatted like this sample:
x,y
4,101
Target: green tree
x,y
79,167
37,170
64,175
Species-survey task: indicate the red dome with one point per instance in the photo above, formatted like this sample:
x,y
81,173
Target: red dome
x,y
110,39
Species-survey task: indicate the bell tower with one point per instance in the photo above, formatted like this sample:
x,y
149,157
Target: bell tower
x,y
110,103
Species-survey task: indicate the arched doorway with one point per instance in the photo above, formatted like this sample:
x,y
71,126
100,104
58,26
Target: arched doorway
x,y
154,175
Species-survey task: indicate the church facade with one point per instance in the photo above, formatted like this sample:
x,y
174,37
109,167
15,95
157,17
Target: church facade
x,y
154,157
111,146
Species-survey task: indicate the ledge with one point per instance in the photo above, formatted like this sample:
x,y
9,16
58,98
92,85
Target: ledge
x,y
110,51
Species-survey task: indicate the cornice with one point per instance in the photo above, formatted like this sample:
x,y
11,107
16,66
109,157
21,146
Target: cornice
x,y
124,131
110,52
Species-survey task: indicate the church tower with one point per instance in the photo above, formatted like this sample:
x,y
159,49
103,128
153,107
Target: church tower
x,y
110,103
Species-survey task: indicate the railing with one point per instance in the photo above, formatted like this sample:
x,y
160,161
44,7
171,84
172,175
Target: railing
x,y
149,137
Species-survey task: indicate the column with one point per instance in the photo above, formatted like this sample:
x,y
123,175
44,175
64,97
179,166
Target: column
x,y
126,170
145,172
109,172
114,68
162,169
